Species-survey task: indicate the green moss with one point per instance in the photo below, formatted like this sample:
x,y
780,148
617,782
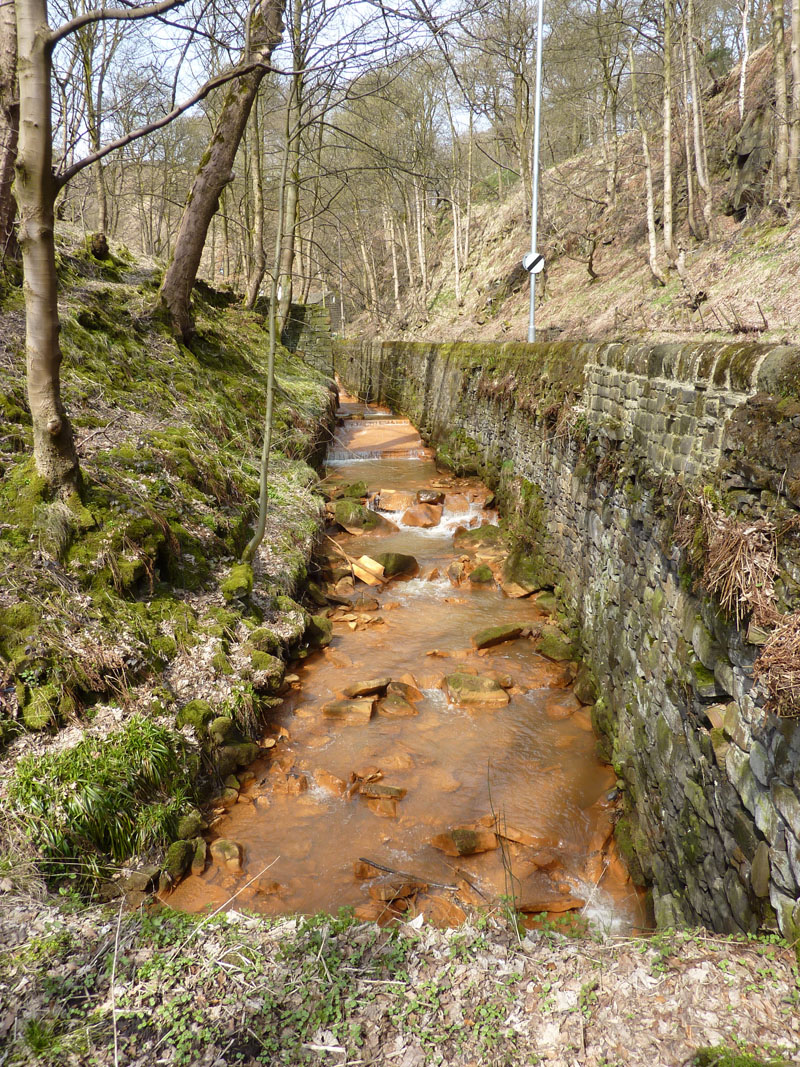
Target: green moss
x,y
264,640
164,648
197,713
720,1056
554,645
40,710
22,492
239,583
221,729
355,489
263,661
221,663
625,833
178,860
319,632
482,575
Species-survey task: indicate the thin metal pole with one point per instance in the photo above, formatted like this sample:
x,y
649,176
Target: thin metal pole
x,y
535,169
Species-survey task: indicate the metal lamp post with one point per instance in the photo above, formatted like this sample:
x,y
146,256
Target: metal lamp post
x,y
533,262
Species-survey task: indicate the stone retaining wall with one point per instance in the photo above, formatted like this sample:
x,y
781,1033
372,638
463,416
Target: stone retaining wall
x,y
591,448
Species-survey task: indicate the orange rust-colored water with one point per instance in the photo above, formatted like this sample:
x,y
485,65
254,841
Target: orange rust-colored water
x,y
530,764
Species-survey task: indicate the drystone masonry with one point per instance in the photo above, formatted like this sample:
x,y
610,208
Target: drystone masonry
x,y
593,450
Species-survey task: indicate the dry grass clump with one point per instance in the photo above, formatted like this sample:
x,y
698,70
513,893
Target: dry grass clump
x,y
739,560
778,668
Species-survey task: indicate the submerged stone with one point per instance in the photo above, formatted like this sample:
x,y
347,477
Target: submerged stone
x,y
395,500
378,789
430,496
227,854
349,712
464,841
369,688
396,706
355,518
482,537
496,635
200,856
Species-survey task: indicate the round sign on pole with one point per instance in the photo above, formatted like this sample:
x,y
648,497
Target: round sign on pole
x,y
533,262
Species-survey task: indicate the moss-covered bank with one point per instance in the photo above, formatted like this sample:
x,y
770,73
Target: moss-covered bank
x,y
127,603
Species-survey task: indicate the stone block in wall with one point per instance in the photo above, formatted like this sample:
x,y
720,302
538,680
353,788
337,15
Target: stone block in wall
x,y
787,803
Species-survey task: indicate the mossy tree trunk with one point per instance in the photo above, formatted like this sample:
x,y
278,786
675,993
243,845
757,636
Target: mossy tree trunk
x,y
35,189
781,164
216,171
9,127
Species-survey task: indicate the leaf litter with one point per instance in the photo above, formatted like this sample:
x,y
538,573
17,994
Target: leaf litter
x,y
238,988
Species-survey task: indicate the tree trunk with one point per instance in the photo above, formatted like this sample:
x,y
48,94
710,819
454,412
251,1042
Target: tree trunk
x,y
9,127
781,165
669,243
259,252
745,12
215,172
419,204
291,199
35,189
794,130
691,217
656,270
698,122
468,222
388,224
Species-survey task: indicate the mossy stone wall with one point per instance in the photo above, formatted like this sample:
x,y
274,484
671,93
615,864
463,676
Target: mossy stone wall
x,y
590,448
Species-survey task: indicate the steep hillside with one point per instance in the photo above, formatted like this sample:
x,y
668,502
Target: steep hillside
x,y
745,274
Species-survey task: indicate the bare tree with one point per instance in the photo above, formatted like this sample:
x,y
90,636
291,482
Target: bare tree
x,y
216,168
9,125
655,269
35,188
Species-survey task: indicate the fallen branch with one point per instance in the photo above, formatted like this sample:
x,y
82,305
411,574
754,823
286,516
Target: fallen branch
x,y
405,874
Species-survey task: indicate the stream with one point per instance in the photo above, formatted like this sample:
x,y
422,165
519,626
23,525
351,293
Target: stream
x,y
352,790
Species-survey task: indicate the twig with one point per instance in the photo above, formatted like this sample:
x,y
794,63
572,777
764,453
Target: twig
x,y
405,874
113,980
100,429
224,904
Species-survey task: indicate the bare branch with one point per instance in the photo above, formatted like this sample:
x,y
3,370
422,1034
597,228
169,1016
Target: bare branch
x,y
213,83
103,14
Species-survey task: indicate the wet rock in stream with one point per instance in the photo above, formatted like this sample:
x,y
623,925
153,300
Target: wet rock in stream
x,y
496,635
349,712
373,687
471,689
424,516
